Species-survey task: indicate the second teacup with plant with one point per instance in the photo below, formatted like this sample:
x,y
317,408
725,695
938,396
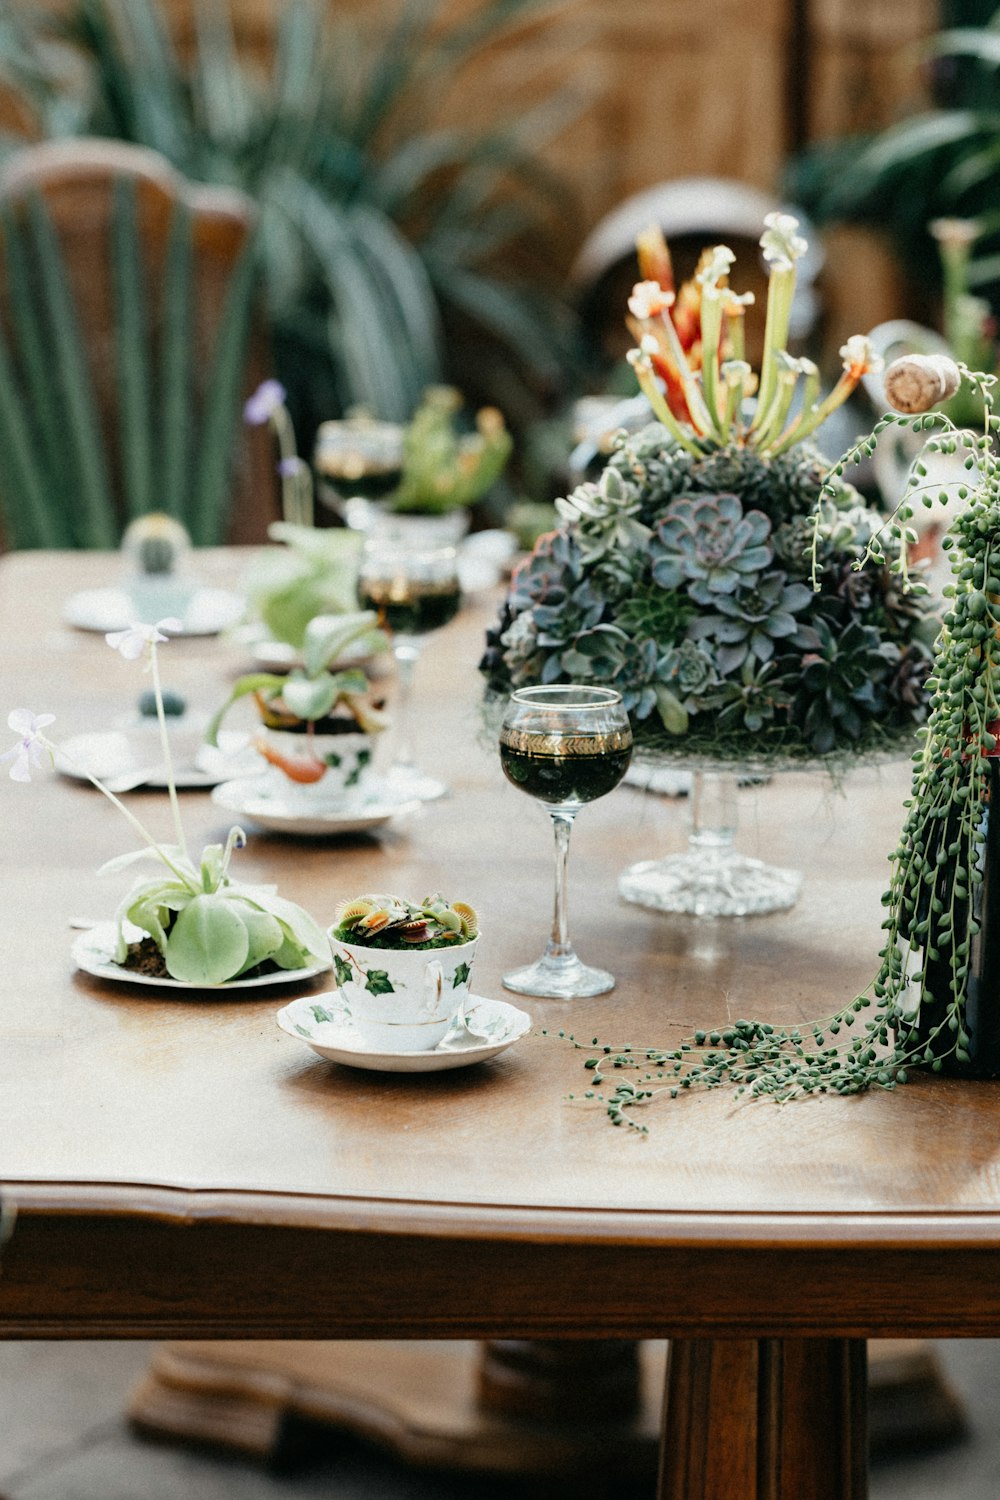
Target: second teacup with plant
x,y
404,968
318,724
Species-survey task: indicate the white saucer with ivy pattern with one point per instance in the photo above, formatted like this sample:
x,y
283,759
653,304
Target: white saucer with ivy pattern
x,y
324,1023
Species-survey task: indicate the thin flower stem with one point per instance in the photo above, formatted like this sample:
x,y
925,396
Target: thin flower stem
x,y
161,717
137,827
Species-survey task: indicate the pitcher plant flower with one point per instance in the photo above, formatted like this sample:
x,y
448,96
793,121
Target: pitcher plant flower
x,y
690,356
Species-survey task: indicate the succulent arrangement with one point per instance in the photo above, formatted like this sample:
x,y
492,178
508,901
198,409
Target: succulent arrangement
x,y
689,577
380,921
932,1003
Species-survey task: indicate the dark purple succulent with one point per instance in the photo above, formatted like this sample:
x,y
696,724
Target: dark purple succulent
x,y
750,621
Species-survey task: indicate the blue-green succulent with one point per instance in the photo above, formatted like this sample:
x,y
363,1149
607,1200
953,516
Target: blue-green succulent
x,y
685,581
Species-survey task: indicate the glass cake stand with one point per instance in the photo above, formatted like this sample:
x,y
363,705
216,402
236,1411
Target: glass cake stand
x,y
711,878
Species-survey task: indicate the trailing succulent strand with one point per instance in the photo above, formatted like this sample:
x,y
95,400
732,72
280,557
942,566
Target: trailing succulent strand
x,y
873,1041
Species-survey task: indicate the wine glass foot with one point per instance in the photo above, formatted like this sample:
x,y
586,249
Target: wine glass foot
x,y
559,979
413,785
705,885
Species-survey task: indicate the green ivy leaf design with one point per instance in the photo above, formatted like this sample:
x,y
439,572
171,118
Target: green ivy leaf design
x,y
302,1030
320,1013
461,976
333,759
342,969
378,982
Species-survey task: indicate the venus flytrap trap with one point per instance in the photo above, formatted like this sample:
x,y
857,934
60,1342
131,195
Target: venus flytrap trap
x,y
201,927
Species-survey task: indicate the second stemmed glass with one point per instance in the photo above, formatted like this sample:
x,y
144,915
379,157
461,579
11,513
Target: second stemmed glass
x,y
414,590
565,745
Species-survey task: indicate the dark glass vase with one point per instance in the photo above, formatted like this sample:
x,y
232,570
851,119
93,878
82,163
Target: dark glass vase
x,y
982,993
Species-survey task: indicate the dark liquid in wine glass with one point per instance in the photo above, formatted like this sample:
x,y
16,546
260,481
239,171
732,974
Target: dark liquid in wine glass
x,y
411,610
557,777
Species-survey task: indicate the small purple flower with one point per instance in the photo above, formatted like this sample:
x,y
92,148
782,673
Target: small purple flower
x,y
131,643
30,748
265,401
289,467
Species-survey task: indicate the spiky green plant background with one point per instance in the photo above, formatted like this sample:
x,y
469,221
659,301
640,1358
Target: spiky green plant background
x,y
58,465
380,233
941,161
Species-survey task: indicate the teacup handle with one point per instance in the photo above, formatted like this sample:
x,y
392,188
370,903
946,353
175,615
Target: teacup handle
x,y
433,985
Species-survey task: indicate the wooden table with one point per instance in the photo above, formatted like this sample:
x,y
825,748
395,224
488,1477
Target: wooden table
x,y
181,1168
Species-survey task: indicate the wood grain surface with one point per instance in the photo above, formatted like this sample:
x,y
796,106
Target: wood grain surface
x,y
182,1167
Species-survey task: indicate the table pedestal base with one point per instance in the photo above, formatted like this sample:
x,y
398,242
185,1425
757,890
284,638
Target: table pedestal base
x,y
515,1406
767,1419
577,1407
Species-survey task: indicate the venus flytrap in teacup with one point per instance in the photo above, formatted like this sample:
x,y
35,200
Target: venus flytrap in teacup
x,y
201,927
404,968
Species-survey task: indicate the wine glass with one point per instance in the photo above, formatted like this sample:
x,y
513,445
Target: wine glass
x,y
414,590
564,745
358,461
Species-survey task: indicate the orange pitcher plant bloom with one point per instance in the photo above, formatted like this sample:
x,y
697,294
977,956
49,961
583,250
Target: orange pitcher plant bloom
x,y
689,358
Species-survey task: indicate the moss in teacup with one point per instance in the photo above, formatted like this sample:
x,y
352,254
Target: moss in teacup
x,y
380,921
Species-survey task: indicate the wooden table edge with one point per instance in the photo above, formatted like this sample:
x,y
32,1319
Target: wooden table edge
x,y
650,1227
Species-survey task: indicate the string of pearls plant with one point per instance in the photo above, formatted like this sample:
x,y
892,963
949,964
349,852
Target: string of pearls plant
x,y
931,918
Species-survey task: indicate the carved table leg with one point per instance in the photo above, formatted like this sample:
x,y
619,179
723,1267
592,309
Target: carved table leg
x,y
767,1419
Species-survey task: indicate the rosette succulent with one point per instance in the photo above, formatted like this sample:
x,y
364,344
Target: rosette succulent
x,y
692,575
711,544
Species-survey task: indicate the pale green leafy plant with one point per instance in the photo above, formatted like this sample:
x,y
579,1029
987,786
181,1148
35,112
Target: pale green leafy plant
x,y
207,927
312,692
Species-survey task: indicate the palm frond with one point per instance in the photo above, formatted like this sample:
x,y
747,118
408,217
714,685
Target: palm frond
x,y
132,344
176,363
74,381
221,405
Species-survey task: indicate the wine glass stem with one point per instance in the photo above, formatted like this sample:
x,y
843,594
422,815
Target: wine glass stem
x,y
559,945
405,653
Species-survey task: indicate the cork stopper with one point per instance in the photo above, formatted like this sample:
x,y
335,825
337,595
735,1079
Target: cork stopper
x,y
916,382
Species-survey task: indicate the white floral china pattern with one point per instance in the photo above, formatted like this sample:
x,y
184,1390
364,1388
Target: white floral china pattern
x,y
93,951
403,1001
347,758
325,1024
208,612
254,798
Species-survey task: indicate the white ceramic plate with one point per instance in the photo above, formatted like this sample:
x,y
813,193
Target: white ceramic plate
x,y
93,952
252,798
210,611
323,1022
112,754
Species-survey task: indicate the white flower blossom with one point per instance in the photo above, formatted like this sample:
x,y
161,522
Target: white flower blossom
x,y
649,300
859,356
779,242
31,746
131,643
717,266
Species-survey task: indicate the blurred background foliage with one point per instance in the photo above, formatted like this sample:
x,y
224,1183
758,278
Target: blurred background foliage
x,y
942,160
394,252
